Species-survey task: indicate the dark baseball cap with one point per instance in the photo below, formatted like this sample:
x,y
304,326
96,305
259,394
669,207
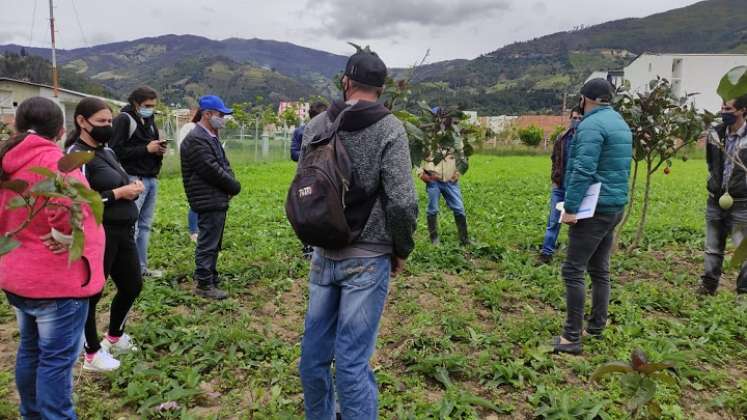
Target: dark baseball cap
x,y
598,90
366,67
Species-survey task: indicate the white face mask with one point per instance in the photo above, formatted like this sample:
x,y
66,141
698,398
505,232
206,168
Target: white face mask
x,y
217,122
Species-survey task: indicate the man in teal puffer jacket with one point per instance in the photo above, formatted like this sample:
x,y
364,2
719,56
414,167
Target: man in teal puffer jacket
x,y
602,152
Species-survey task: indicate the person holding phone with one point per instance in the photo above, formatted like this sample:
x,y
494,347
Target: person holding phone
x,y
140,149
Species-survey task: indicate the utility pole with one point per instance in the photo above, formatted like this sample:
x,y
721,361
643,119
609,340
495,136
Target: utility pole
x,y
55,78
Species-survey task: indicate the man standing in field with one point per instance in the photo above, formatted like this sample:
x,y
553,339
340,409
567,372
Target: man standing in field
x,y
726,210
561,151
210,184
442,179
348,286
602,152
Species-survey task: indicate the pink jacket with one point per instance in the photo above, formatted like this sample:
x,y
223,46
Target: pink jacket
x,y
31,270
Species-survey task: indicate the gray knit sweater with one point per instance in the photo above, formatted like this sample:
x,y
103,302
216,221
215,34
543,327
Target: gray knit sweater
x,y
381,159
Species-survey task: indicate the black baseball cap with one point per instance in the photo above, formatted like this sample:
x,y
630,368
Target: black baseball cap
x,y
599,90
366,67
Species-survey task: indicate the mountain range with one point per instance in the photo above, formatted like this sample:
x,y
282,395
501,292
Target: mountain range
x,y
529,76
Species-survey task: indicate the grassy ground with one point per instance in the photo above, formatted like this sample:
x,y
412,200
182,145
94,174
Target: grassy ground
x,y
464,332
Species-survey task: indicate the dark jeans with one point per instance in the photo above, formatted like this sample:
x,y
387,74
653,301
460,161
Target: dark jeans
x,y
121,262
719,225
209,241
50,343
589,246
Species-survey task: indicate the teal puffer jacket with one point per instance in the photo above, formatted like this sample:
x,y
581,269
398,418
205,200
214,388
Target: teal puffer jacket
x,y
602,152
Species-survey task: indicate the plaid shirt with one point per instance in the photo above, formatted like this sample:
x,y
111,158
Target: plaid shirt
x,y
732,143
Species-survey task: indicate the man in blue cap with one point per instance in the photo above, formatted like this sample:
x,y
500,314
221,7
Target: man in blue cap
x,y
210,184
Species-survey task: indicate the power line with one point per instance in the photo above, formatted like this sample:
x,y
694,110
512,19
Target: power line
x,y
33,21
77,18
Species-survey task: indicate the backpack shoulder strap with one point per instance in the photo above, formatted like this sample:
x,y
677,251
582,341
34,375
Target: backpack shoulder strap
x,y
133,125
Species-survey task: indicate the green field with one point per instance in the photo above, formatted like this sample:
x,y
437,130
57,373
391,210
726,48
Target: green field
x,y
458,325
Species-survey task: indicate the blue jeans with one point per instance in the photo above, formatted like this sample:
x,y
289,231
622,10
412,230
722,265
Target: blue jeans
x,y
346,301
452,194
51,341
553,222
192,222
146,205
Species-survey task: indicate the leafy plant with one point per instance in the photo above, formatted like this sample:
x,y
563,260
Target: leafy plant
x,y
661,127
39,196
531,136
639,380
733,84
564,405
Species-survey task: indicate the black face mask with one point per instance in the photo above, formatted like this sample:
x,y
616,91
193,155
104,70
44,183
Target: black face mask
x,y
101,133
582,105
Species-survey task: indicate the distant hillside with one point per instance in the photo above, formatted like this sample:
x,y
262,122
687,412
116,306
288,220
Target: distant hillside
x,y
274,70
524,77
532,76
39,70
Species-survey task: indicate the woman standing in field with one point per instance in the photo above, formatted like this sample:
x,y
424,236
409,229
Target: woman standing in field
x,y
93,129
50,295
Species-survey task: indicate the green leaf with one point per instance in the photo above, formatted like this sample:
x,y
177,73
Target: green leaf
x,y
733,84
39,170
7,244
44,187
73,161
650,368
612,367
644,394
740,255
16,203
93,199
16,185
76,249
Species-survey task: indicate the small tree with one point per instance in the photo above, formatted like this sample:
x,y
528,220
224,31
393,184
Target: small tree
x,y
37,197
531,136
661,127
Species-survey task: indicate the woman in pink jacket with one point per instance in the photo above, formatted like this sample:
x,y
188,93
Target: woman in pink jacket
x,y
50,296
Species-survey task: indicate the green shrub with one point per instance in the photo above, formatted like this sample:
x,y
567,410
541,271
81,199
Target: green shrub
x,y
531,136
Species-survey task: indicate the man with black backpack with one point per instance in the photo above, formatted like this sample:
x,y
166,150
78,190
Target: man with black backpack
x,y
353,198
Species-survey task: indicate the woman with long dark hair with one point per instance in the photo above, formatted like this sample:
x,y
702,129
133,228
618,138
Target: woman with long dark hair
x,y
50,296
93,129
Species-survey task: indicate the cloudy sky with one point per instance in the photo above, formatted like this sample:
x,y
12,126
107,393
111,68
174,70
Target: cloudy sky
x,y
400,30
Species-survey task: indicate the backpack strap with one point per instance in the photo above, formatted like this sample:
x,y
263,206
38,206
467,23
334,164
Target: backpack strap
x,y
133,125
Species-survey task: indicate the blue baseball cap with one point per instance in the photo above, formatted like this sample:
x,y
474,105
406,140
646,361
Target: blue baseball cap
x,y
214,103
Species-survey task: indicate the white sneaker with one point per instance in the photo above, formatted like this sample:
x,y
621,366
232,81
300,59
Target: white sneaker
x,y
123,345
156,274
102,362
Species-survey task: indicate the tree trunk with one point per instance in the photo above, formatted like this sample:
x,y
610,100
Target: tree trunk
x,y
630,207
644,211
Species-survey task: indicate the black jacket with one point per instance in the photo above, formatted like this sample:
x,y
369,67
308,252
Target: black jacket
x,y
133,151
715,158
104,174
560,155
208,179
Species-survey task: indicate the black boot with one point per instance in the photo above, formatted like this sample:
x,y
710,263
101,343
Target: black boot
x,y
433,228
461,223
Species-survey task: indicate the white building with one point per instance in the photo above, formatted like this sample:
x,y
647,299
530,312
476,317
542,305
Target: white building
x,y
302,109
690,74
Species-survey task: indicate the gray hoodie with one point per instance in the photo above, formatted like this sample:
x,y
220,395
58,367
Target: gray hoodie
x,y
381,160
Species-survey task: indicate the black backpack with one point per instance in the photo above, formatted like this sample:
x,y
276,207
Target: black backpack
x,y
325,205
